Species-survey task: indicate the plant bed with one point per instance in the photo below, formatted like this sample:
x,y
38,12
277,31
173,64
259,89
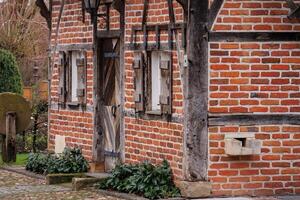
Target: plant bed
x,y
147,180
70,161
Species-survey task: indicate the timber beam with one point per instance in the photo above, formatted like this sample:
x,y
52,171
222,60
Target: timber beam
x,y
196,93
253,36
213,12
254,119
119,6
184,4
295,9
109,34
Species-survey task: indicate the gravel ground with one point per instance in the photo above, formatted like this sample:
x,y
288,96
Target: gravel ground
x,y
15,186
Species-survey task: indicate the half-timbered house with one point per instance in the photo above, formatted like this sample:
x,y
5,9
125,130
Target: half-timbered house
x,y
210,86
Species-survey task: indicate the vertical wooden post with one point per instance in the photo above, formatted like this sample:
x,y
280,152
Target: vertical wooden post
x,y
122,78
9,149
98,154
196,94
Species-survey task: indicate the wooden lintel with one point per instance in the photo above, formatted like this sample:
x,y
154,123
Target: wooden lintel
x,y
150,47
160,26
72,47
254,119
253,36
109,34
213,12
174,118
103,2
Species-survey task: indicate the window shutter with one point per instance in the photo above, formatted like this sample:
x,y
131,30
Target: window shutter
x,y
138,67
81,78
62,77
166,83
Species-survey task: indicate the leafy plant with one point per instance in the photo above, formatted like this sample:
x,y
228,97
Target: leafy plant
x,y
145,179
10,78
37,163
70,161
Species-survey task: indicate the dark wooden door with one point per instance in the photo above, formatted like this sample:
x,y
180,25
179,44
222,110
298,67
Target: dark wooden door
x,y
110,100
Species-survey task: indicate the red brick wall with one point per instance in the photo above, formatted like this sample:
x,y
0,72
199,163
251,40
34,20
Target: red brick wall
x,y
258,78
254,77
244,78
274,171
152,140
267,15
76,125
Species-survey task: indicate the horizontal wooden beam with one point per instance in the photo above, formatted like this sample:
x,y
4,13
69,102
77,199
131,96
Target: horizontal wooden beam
x,y
72,47
254,119
150,47
109,34
103,2
174,118
253,36
160,27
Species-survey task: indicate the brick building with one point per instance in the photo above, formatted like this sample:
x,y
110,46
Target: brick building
x,y
224,112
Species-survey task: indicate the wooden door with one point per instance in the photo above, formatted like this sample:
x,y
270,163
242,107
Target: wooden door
x,y
110,92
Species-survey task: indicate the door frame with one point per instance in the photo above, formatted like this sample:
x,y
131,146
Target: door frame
x,y
98,137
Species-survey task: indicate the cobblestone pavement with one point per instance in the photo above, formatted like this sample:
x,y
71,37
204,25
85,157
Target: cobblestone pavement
x,y
15,186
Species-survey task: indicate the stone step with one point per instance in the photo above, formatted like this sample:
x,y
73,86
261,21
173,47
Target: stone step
x,y
100,175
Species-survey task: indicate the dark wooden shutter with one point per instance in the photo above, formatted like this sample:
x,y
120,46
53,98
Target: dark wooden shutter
x,y
62,77
166,83
81,78
138,67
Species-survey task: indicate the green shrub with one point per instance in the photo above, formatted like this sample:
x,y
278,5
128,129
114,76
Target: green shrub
x,y
144,179
70,161
10,78
38,163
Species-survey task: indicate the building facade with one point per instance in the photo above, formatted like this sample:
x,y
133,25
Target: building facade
x,y
121,93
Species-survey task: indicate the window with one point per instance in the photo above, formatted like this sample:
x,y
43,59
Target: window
x,y
155,82
72,83
152,82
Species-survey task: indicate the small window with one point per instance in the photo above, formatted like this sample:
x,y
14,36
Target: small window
x,y
72,85
152,82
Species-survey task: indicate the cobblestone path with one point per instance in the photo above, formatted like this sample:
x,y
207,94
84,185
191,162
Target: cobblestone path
x,y
15,186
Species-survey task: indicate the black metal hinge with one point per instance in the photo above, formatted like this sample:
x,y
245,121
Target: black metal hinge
x,y
111,154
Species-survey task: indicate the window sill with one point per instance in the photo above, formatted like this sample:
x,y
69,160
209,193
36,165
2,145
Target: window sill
x,y
73,104
153,112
